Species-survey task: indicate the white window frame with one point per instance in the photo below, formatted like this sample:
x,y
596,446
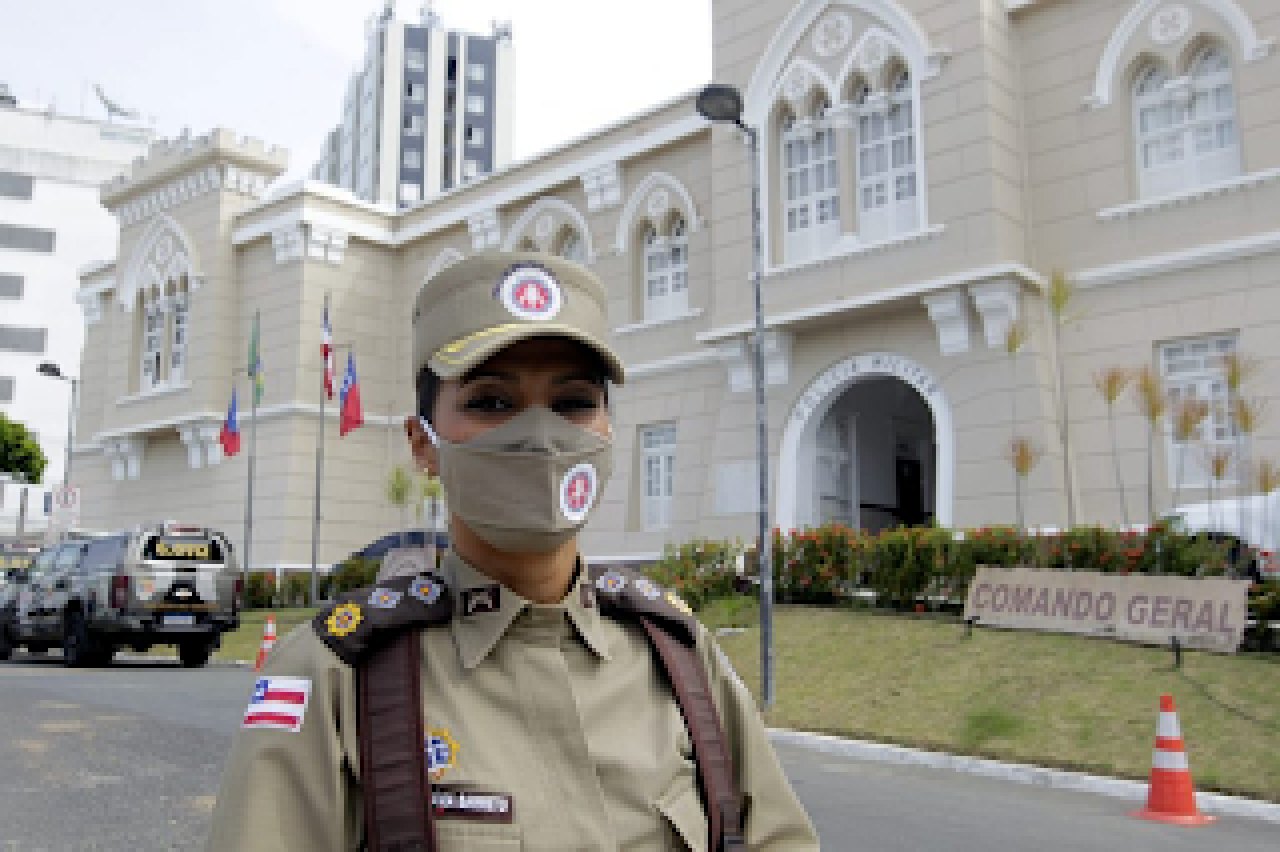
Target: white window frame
x,y
415,92
572,246
151,363
1194,368
470,169
180,332
475,104
410,192
887,163
476,72
415,59
657,474
665,259
412,159
413,125
474,135
1186,128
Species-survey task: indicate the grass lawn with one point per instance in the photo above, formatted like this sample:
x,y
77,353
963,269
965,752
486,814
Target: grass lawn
x,y
1052,700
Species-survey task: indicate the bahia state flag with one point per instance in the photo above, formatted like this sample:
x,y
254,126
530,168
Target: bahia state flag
x,y
229,437
255,361
350,414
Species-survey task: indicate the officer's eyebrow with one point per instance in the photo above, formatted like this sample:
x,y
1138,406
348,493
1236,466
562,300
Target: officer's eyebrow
x,y
481,373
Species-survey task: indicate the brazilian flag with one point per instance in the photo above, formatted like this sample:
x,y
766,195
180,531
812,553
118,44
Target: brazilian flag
x,y
255,361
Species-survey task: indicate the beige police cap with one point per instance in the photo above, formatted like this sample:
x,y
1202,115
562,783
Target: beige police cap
x,y
478,306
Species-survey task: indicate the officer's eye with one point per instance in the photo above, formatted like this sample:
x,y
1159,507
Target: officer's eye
x,y
569,406
487,403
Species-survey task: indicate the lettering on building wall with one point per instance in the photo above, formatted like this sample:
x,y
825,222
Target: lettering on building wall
x,y
877,365
1207,613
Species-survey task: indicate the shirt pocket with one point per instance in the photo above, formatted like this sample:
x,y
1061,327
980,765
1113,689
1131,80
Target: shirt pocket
x,y
454,835
682,811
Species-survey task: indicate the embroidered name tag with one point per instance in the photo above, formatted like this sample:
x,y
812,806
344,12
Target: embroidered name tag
x,y
486,807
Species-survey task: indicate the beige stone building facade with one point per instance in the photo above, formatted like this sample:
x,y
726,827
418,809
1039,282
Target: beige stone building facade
x,y
925,165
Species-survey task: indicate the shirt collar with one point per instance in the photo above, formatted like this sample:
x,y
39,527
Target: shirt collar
x,y
476,634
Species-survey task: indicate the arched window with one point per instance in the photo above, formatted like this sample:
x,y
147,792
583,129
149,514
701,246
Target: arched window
x,y
887,180
1185,127
178,330
810,185
571,247
666,271
153,333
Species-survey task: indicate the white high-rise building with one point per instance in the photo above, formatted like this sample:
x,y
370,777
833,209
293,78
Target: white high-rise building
x,y
429,109
51,224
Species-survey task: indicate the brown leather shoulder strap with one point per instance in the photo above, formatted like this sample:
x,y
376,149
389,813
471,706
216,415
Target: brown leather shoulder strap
x,y
710,746
393,771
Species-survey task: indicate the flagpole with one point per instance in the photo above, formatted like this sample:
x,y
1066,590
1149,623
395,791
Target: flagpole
x,y
315,520
253,450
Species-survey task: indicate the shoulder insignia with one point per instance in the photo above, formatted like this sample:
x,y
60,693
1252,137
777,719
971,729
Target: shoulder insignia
x,y
364,619
625,593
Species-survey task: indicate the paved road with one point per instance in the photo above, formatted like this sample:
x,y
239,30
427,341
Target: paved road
x,y
128,758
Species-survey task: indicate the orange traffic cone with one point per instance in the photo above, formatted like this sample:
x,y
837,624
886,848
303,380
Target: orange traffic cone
x,y
268,642
1172,795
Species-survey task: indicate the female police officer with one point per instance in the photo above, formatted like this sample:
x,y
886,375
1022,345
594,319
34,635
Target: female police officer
x,y
547,719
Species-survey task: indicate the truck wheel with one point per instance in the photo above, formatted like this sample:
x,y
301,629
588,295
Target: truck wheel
x,y
6,647
79,649
195,654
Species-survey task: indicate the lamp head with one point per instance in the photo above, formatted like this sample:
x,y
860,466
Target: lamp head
x,y
718,102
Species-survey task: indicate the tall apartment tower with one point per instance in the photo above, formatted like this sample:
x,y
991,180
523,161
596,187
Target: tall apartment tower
x,y
429,109
51,224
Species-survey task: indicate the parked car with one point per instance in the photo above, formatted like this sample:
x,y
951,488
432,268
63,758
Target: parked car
x,y
1249,526
165,584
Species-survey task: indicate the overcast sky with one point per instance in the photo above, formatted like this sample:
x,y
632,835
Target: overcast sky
x,y
277,69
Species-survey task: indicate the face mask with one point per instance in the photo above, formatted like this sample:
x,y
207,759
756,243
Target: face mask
x,y
528,485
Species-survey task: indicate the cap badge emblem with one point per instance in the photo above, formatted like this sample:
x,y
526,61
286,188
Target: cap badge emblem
x,y
578,492
530,292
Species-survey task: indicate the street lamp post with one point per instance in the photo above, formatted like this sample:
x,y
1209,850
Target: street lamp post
x,y
50,369
720,103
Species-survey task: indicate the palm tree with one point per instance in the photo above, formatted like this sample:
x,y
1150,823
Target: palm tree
x,y
1023,456
400,493
1111,382
1014,340
1060,295
1188,415
1153,404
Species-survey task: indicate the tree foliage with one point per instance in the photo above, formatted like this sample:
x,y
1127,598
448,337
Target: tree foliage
x,y
20,452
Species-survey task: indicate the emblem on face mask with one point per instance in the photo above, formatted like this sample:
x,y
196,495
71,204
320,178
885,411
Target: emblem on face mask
x,y
344,620
530,292
578,492
442,753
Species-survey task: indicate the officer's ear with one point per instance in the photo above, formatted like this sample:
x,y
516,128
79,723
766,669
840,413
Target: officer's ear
x,y
421,446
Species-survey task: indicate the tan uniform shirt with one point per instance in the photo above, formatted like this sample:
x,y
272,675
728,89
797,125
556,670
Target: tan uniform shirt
x,y
556,706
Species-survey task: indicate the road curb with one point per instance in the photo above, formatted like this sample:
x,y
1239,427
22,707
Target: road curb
x,y
1020,773
158,658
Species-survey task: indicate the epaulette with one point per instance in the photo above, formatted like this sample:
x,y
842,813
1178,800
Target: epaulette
x,y
625,593
365,619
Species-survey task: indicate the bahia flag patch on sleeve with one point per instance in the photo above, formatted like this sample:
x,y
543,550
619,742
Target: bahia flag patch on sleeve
x,y
278,703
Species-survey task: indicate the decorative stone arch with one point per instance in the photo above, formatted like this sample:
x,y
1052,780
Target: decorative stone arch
x,y
801,82
796,473
1252,48
875,52
164,252
656,187
553,206
921,57
443,261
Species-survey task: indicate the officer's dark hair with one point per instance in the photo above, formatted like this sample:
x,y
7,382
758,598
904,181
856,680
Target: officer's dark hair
x,y
427,384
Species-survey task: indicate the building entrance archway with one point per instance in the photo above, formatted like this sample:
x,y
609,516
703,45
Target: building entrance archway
x,y
870,443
